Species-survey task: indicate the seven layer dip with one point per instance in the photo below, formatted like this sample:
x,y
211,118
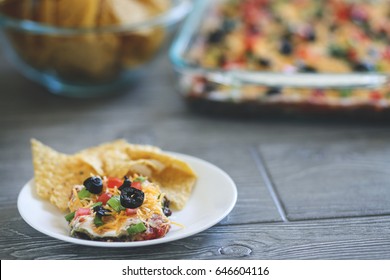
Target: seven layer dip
x,y
297,36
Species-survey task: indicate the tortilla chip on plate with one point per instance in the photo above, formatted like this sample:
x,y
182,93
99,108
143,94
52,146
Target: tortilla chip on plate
x,y
119,159
56,173
175,177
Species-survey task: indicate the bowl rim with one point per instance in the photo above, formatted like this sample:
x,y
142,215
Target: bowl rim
x,y
179,9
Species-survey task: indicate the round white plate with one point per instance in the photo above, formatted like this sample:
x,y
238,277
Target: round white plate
x,y
212,199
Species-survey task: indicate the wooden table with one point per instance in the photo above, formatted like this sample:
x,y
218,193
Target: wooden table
x,y
306,189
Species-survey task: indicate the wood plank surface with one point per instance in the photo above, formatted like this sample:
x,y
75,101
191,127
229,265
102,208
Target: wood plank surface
x,y
300,156
331,175
354,238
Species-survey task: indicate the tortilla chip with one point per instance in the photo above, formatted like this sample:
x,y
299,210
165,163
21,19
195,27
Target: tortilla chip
x,y
45,161
114,159
106,16
144,43
76,13
92,56
147,152
121,168
176,185
78,171
75,57
175,177
109,158
120,10
96,156
158,5
55,173
46,12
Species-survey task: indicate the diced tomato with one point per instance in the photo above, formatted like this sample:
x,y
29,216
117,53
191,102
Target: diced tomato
x,y
103,198
150,235
250,41
137,185
231,65
82,212
302,52
159,232
386,53
318,93
114,182
343,11
251,13
352,54
155,233
130,212
376,95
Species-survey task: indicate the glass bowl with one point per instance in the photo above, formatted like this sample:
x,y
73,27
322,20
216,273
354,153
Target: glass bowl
x,y
89,49
238,88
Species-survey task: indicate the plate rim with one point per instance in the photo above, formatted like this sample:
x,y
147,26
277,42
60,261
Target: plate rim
x,y
232,186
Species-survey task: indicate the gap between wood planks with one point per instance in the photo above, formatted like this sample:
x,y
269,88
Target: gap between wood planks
x,y
269,183
267,178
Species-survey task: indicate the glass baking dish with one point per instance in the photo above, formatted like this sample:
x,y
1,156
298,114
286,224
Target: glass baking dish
x,y
243,90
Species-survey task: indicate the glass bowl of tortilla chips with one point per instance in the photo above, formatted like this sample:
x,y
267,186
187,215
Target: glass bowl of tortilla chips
x,y
84,48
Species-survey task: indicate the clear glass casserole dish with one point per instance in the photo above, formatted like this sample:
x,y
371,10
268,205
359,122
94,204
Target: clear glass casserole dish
x,y
260,56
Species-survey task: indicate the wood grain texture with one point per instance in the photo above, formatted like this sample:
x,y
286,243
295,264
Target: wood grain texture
x,y
151,112
330,175
358,238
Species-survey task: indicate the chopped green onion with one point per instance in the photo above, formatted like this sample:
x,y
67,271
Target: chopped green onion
x,y
98,221
96,204
115,203
140,179
137,228
70,216
346,92
337,51
84,193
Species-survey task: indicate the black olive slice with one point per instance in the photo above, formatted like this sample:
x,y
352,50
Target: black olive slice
x,y
131,197
94,184
101,211
167,212
126,184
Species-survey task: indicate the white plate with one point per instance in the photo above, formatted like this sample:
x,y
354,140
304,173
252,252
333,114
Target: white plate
x,y
213,197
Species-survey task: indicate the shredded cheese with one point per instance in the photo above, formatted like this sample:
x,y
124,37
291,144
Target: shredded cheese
x,y
116,221
177,224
